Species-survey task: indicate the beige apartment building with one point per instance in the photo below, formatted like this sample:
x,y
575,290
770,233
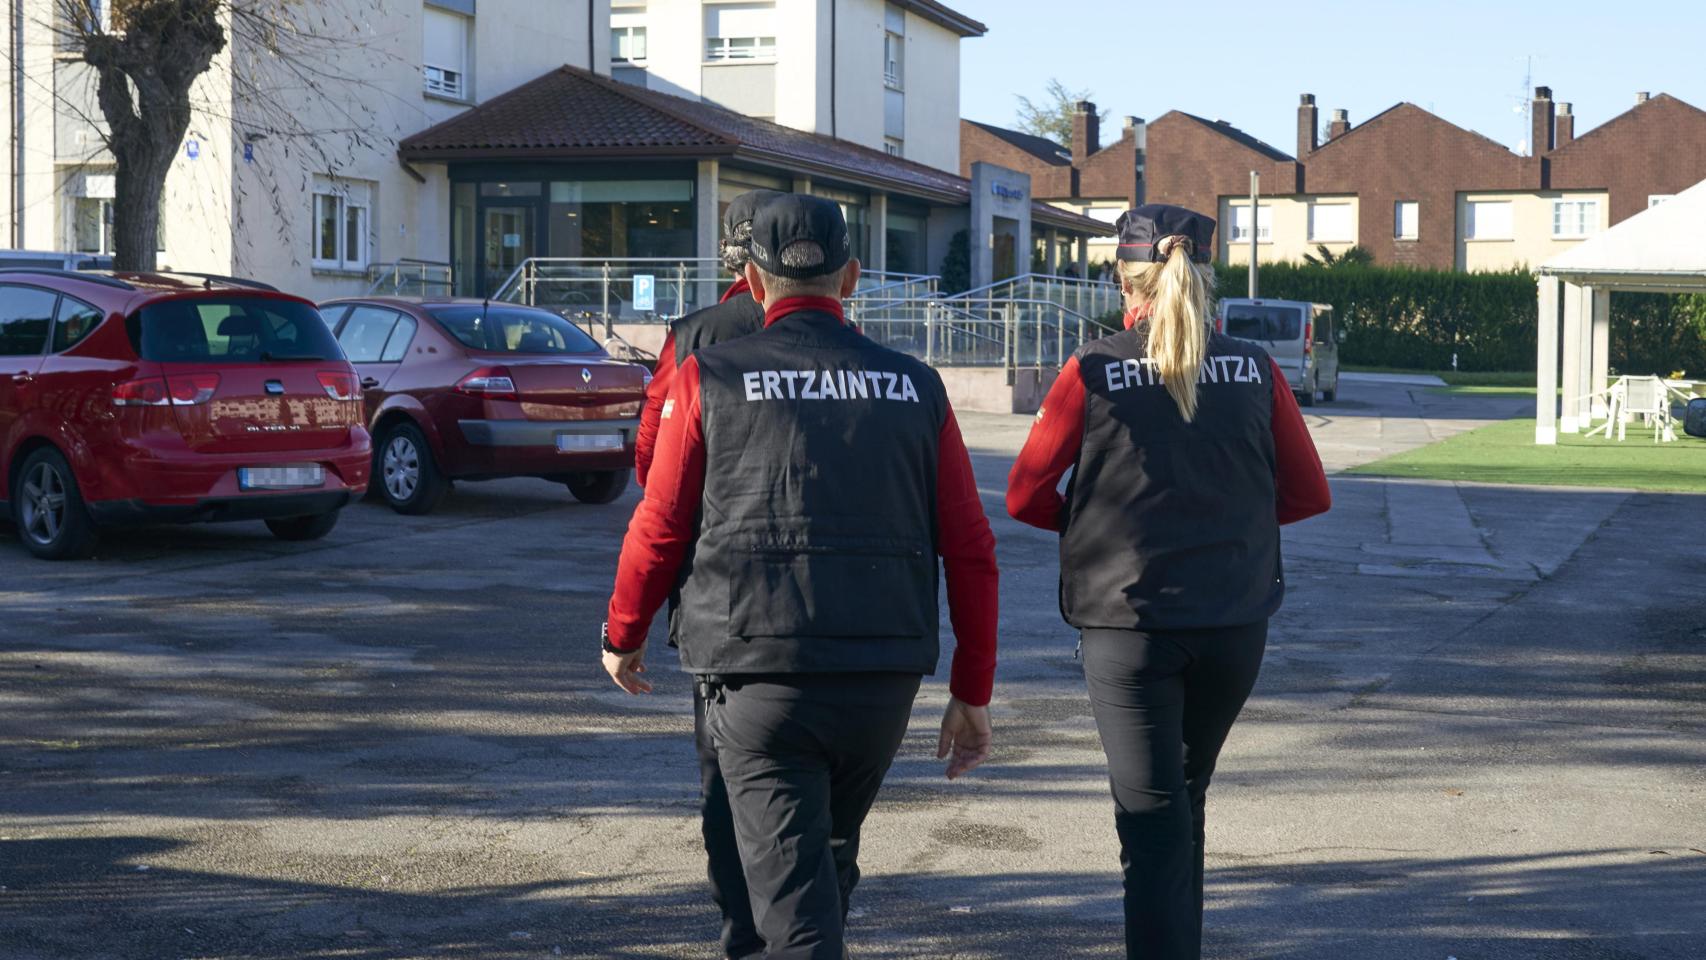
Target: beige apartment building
x,y
884,75
302,189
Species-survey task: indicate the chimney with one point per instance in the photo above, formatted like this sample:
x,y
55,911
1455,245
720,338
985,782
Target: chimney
x,y
1540,140
1642,97
1308,126
1340,126
1564,126
1086,131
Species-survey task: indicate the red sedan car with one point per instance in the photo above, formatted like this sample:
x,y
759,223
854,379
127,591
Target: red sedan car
x,y
151,397
475,390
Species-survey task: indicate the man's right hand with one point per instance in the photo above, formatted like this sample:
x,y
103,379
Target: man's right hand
x,y
966,734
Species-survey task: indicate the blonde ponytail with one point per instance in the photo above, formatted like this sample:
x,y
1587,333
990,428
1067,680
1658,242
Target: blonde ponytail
x,y
1181,302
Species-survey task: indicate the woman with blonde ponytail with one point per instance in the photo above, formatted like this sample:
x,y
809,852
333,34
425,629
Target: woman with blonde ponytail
x,y
1187,453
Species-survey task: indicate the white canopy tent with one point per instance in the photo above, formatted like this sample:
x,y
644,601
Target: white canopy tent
x,y
1660,251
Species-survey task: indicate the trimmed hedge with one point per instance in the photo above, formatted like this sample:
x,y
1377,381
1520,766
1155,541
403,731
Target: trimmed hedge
x,y
1418,319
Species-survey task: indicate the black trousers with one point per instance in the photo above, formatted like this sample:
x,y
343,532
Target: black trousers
x,y
803,757
739,937
1164,702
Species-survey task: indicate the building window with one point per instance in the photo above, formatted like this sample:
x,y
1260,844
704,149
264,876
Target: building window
x,y
1488,220
627,44
1654,199
340,226
1406,215
444,55
740,31
1574,218
1331,223
894,146
894,59
89,214
1241,225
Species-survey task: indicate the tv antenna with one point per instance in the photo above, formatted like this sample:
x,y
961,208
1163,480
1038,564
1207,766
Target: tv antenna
x,y
1524,107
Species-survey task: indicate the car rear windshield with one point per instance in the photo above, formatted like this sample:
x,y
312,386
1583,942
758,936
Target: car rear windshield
x,y
510,329
235,329
1248,321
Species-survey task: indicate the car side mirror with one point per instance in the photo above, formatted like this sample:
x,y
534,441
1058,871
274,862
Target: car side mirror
x,y
1694,419
1339,334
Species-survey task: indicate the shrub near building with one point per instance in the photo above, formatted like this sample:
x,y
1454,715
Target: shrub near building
x,y
1420,319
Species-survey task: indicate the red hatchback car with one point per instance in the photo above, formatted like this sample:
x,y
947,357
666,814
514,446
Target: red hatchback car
x,y
169,397
476,390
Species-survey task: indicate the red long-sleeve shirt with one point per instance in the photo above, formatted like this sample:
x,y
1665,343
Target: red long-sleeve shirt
x,y
1033,496
664,525
663,375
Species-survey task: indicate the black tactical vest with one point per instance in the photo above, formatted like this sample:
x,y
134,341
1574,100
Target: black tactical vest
x,y
735,317
1172,525
817,549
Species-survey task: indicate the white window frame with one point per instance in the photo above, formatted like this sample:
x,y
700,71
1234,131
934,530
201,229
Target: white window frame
x,y
630,31
1654,199
345,204
1586,218
740,47
1475,229
1350,224
440,80
1413,223
894,60
1240,232
894,146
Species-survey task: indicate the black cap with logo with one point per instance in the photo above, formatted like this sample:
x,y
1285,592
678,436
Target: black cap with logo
x,y
744,207
1142,230
795,218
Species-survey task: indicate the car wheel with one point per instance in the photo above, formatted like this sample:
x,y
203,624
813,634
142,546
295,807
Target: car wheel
x,y
311,527
1333,394
602,487
407,477
1306,398
52,521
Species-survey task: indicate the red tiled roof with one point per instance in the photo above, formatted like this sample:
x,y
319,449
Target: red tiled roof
x,y
572,113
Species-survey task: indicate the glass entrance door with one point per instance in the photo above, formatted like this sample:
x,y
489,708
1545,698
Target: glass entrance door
x,y
507,237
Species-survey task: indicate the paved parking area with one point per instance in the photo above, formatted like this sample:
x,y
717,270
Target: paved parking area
x,y
1480,733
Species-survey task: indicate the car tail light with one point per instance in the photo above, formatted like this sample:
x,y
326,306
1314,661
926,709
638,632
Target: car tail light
x,y
141,393
191,389
339,385
1308,337
489,383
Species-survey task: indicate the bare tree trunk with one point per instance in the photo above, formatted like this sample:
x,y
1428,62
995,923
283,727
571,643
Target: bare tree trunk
x,y
145,74
139,184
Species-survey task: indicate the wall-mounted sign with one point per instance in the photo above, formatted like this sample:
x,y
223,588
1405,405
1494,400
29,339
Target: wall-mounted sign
x,y
248,153
1005,192
512,240
645,291
192,148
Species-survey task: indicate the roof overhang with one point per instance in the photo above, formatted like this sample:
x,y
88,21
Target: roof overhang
x,y
1654,281
943,16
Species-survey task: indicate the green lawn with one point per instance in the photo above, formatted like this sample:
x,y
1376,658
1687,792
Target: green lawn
x,y
1505,452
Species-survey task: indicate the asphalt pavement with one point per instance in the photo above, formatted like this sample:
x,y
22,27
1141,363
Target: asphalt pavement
x,y
1480,733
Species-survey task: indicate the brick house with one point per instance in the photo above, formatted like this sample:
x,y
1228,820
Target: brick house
x,y
1415,189
1084,176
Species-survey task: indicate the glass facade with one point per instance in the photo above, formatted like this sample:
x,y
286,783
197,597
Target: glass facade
x,y
856,207
498,222
907,239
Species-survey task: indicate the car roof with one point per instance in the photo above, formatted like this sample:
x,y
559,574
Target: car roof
x,y
401,301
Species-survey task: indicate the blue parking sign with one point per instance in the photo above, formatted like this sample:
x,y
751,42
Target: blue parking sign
x,y
645,292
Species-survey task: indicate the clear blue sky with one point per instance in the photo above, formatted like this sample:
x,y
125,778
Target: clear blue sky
x,y
1462,60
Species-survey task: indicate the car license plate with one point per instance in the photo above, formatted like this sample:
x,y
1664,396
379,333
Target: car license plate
x,y
280,478
582,442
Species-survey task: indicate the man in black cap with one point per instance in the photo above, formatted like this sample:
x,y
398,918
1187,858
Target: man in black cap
x,y
736,314
806,480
